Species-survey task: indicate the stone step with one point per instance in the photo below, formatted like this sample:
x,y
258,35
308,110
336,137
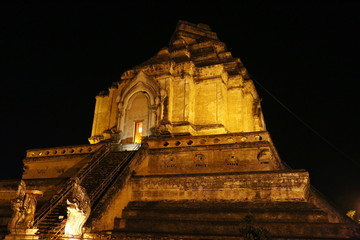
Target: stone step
x,y
293,230
180,214
52,220
295,219
49,223
221,205
168,236
203,210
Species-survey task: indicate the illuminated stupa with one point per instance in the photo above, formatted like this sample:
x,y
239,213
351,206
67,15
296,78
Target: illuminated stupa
x,y
179,150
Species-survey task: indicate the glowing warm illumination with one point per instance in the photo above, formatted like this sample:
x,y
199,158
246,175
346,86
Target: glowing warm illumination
x,y
138,132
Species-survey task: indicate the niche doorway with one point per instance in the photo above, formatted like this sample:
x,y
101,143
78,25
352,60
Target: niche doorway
x,y
136,122
138,129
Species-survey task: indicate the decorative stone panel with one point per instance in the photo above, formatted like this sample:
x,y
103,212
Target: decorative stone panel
x,y
59,151
269,186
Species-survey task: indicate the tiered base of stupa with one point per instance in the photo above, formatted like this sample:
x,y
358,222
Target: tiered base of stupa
x,y
207,190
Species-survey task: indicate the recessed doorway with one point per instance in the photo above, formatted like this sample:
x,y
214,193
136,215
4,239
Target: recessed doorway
x,y
138,132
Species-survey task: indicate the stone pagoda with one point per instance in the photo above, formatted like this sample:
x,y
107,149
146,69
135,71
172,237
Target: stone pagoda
x,y
179,150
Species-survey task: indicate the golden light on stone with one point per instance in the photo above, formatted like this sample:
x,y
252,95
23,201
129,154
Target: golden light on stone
x,y
138,132
206,147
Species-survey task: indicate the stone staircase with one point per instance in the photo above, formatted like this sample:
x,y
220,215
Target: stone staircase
x,y
96,177
54,221
100,176
211,219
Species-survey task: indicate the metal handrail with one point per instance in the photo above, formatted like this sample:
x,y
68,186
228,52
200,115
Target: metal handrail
x,y
46,209
94,195
85,170
106,148
58,232
104,184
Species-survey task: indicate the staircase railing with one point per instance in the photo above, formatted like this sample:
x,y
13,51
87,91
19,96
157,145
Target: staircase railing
x,y
104,184
66,189
120,179
58,231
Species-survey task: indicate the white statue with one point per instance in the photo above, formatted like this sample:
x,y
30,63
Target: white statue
x,y
78,211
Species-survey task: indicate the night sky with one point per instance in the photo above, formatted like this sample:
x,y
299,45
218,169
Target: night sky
x,y
303,58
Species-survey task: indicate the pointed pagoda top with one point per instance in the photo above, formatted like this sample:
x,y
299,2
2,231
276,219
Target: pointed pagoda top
x,y
198,44
191,33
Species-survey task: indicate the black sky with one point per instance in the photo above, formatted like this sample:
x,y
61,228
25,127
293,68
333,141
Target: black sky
x,y
57,57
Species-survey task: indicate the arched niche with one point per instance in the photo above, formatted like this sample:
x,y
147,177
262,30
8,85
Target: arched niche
x,y
136,118
139,102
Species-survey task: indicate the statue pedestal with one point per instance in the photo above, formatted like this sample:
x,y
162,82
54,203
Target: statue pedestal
x,y
23,234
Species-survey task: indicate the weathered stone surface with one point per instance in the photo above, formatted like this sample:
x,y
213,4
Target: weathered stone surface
x,y
57,162
207,161
8,191
242,152
268,186
193,86
211,219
